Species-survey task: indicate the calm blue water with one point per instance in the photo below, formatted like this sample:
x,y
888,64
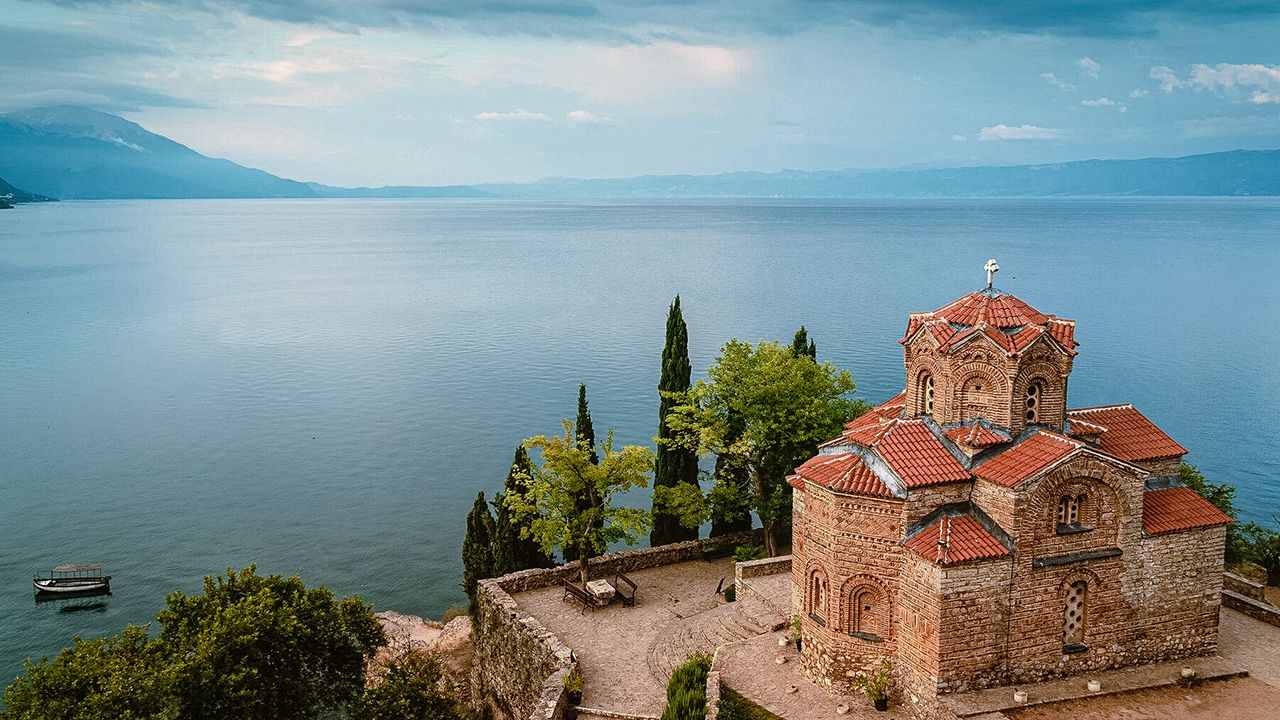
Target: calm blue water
x,y
321,387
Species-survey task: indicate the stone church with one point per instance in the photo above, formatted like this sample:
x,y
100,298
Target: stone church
x,y
978,532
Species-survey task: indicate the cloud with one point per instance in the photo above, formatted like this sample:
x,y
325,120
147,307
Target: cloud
x,y
518,116
583,117
1261,83
1137,93
1057,82
1104,102
958,138
1021,132
1089,66
625,20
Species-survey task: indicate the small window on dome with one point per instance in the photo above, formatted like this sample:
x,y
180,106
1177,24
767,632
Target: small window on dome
x,y
928,394
1034,401
1069,510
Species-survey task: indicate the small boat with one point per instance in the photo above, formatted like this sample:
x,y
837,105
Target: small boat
x,y
77,579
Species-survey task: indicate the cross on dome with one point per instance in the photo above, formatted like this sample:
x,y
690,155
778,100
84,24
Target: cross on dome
x,y
992,268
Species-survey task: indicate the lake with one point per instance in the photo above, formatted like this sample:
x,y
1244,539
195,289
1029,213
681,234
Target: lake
x,y
321,387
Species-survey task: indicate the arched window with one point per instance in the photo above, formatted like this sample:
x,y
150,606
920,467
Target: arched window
x,y
1073,616
1034,400
928,394
1069,510
817,597
866,613
975,397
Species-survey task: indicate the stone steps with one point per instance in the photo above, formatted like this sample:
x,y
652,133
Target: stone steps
x,y
704,632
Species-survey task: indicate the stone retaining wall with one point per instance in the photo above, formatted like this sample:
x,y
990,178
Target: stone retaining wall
x,y
1256,609
1244,586
519,665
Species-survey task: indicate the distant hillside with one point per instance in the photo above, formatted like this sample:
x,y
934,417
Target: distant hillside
x,y
70,152
76,153
10,195
1238,172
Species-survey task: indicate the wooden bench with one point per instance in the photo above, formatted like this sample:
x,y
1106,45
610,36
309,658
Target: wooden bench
x,y
626,588
573,592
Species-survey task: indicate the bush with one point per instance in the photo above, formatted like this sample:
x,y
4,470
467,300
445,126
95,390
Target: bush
x,y
747,553
411,689
1263,548
731,593
456,611
687,690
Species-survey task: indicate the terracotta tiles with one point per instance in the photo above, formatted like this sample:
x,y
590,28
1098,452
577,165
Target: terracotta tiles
x,y
843,472
1179,508
1027,458
1129,434
1080,426
976,435
917,456
1064,331
991,314
998,310
963,540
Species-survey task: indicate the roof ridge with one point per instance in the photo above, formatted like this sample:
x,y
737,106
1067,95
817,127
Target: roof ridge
x,y
1095,408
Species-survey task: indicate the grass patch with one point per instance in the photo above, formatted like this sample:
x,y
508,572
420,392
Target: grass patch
x,y
735,707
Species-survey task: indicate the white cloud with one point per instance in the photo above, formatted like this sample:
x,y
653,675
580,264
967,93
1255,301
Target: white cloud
x,y
1021,132
1089,66
1167,77
520,115
1137,93
959,138
1260,82
584,117
1105,102
1057,82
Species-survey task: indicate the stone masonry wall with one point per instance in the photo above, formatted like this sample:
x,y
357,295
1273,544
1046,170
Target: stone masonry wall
x,y
519,665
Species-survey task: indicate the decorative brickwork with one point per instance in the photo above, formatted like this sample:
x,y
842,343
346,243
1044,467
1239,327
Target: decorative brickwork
x,y
1044,556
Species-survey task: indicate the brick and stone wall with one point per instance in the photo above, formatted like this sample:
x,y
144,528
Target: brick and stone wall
x,y
519,665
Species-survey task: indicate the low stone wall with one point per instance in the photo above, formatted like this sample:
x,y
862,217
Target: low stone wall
x,y
519,665
1244,586
1256,609
767,566
713,694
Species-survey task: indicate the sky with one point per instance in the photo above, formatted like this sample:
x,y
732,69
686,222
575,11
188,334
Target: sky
x,y
429,92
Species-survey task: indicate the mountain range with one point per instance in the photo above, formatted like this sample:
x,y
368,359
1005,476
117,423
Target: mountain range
x,y
78,153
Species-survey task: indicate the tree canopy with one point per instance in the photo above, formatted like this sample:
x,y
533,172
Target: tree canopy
x,y
552,507
477,548
248,647
673,464
767,408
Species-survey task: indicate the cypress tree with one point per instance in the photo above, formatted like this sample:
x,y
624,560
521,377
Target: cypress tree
x,y
477,549
511,552
802,346
586,433
673,465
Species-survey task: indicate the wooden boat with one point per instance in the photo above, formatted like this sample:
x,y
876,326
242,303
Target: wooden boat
x,y
76,579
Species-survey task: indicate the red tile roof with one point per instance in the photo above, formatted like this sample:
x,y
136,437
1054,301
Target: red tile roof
x,y
1027,458
1080,426
1009,322
1179,508
842,472
1129,434
917,456
976,435
963,540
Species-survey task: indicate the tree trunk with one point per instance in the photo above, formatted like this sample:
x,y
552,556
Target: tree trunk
x,y
584,557
765,512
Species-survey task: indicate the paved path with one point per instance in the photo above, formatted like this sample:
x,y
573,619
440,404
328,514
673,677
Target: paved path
x,y
704,632
1252,644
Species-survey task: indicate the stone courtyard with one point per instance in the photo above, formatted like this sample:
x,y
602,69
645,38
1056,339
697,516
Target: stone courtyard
x,y
627,654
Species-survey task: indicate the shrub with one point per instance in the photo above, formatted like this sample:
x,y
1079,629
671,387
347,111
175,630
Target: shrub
x,y
411,689
1264,549
733,706
573,682
456,611
687,690
747,553
731,593
875,685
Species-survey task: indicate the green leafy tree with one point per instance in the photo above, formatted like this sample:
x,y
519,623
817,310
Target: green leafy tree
x,y
802,346
786,405
552,505
674,464
250,647
1223,497
1263,548
411,687
116,677
512,549
730,493
266,647
477,548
